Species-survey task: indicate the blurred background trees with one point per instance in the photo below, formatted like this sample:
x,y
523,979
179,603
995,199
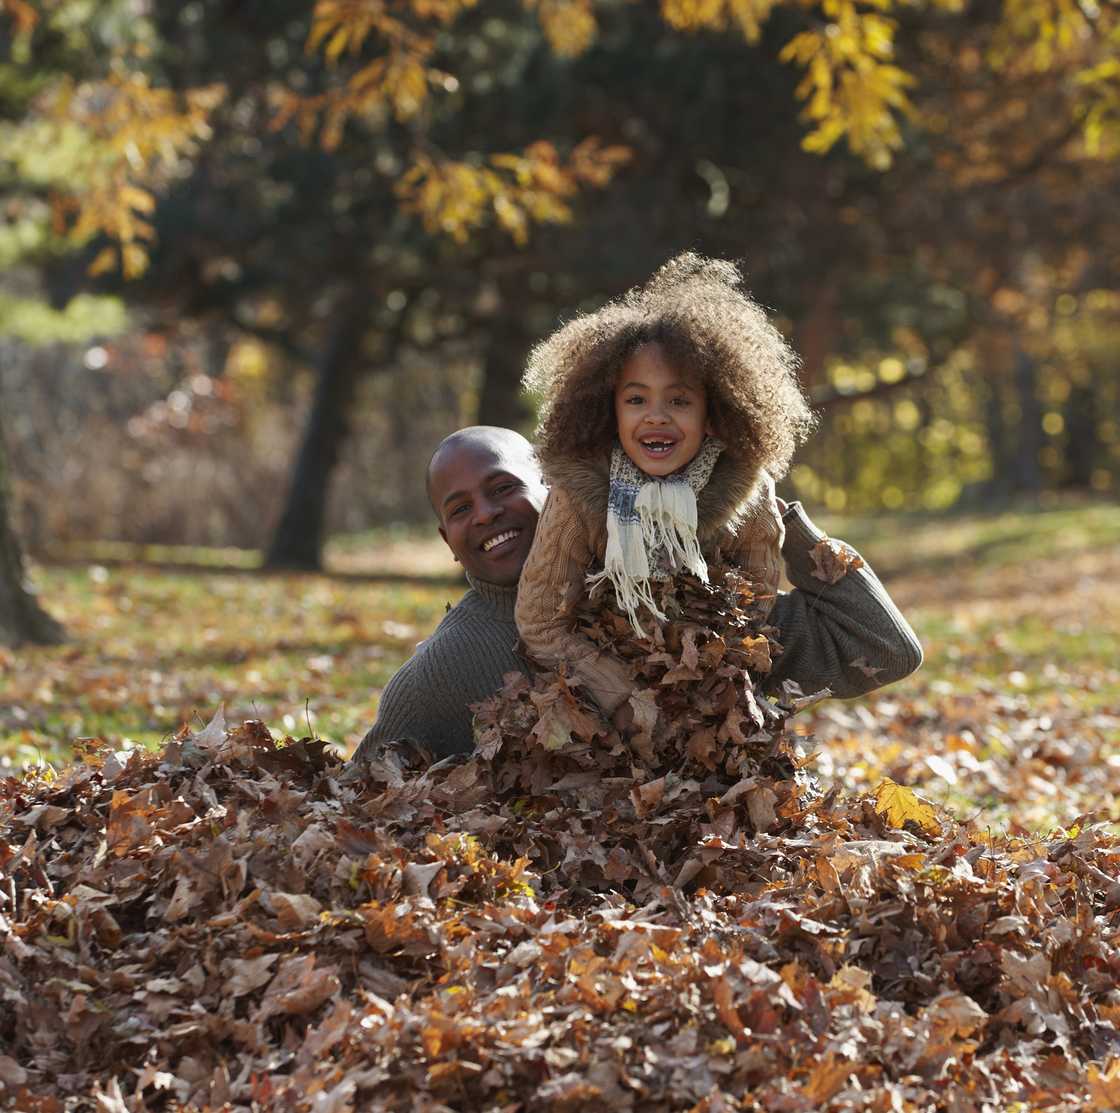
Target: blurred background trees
x,y
257,258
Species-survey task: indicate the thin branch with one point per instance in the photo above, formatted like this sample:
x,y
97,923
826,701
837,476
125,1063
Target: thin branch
x,y
829,397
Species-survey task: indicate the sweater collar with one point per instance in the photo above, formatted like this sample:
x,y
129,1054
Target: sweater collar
x,y
501,599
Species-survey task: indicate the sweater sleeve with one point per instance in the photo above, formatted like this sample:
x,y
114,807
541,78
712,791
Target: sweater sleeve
x,y
757,545
552,578
847,636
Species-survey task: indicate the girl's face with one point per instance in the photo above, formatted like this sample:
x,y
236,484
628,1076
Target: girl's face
x,y
662,413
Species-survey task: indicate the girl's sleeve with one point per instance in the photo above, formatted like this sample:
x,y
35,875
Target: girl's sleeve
x,y
552,579
757,545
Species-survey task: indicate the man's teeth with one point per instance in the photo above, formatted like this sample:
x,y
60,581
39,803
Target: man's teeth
x,y
488,545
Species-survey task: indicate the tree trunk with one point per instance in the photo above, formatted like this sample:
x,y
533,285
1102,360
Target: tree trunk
x,y
1082,442
500,401
21,618
1027,477
298,540
996,427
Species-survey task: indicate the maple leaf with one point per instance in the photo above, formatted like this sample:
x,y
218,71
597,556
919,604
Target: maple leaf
x,y
901,806
955,1014
299,987
833,560
560,719
1104,1087
827,1078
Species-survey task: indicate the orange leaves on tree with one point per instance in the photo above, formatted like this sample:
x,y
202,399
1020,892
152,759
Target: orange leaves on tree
x,y
137,136
569,25
452,198
696,15
22,14
513,191
397,81
851,88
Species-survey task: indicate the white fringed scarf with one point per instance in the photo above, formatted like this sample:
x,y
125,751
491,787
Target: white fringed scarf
x,y
651,529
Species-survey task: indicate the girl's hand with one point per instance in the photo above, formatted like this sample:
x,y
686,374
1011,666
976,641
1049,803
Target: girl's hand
x,y
783,506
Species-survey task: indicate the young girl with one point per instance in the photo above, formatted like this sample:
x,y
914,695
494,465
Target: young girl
x,y
664,416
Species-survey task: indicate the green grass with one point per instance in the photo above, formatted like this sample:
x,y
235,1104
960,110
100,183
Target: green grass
x,y
914,543
150,650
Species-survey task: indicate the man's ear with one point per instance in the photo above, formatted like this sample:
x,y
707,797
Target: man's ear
x,y
443,534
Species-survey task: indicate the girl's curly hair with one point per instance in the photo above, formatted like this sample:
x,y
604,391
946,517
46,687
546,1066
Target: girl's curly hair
x,y
694,308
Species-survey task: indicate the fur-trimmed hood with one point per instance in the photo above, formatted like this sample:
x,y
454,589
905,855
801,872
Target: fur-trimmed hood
x,y
721,505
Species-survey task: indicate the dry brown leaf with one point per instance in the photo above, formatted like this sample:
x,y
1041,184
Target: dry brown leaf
x,y
833,560
827,1078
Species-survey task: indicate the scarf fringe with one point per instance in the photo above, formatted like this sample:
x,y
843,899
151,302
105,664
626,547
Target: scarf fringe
x,y
667,513
626,566
661,528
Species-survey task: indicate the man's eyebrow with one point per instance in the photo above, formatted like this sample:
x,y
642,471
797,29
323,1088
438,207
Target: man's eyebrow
x,y
498,473
452,497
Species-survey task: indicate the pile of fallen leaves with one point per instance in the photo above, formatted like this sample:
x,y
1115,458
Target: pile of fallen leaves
x,y
666,918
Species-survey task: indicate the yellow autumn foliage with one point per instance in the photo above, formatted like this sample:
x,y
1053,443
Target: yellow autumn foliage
x,y
134,136
852,90
569,25
511,190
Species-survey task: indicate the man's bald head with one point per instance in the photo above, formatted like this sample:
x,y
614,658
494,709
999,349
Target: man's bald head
x,y
506,444
484,483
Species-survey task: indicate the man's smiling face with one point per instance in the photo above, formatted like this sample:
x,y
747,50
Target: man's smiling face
x,y
487,493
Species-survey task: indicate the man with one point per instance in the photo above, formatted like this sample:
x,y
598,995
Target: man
x,y
485,488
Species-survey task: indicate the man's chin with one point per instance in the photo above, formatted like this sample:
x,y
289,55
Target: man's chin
x,y
503,570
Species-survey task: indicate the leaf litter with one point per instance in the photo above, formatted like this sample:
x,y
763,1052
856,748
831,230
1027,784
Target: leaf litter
x,y
672,918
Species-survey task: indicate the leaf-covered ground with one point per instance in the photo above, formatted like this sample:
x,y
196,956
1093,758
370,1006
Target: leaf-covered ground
x,y
574,919
1013,718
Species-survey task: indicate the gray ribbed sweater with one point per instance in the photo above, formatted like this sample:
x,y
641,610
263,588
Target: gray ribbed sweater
x,y
848,637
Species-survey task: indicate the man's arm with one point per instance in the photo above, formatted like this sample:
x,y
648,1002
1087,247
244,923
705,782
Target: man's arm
x,y
848,636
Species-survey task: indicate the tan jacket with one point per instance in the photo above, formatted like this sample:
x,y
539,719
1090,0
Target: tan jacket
x,y
737,514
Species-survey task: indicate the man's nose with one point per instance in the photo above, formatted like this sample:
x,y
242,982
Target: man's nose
x,y
486,510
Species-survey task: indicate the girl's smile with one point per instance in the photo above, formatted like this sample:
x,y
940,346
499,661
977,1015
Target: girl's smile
x,y
661,413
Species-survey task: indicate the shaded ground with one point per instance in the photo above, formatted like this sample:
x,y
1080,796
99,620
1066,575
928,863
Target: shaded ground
x,y
1016,712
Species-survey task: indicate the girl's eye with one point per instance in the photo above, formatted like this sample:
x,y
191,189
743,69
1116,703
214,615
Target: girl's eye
x,y
634,400
682,401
